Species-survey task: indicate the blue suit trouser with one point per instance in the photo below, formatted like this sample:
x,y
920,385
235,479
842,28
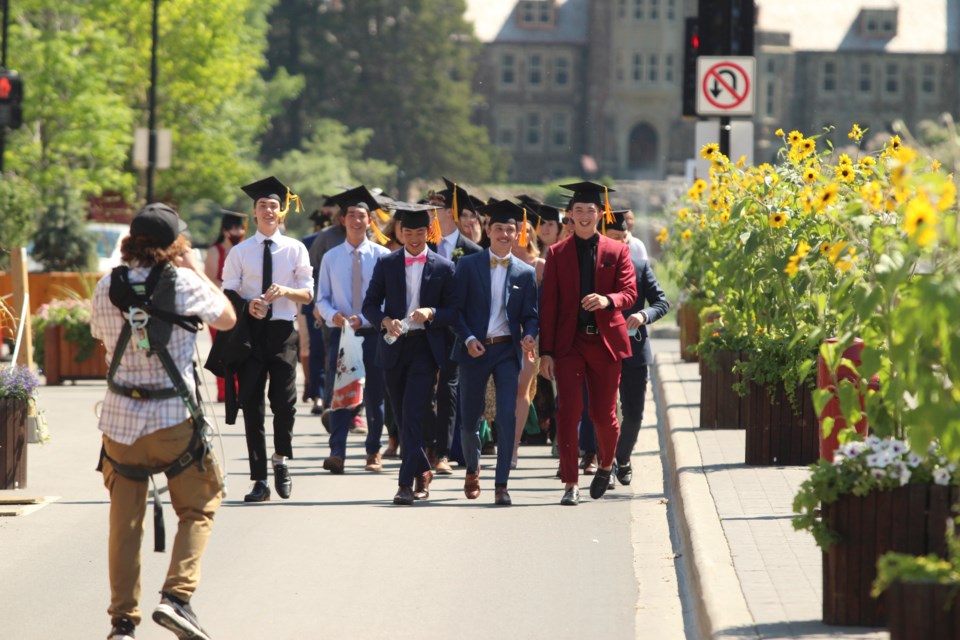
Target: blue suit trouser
x,y
341,419
410,383
317,363
633,389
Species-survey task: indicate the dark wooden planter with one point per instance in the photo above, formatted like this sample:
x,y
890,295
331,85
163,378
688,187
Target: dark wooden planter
x,y
910,519
13,443
923,610
778,433
688,317
60,359
720,405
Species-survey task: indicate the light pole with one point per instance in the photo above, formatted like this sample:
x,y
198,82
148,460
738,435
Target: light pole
x,y
152,123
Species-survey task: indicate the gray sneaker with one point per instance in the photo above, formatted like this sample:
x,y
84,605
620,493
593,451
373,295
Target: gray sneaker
x,y
176,615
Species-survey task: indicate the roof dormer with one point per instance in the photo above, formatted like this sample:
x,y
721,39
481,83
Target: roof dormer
x,y
878,21
536,14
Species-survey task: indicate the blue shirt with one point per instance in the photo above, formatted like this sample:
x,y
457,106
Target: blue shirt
x,y
335,283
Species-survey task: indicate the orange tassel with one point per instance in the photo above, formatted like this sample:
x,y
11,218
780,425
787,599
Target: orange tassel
x,y
383,215
456,217
435,235
379,235
523,230
539,220
607,211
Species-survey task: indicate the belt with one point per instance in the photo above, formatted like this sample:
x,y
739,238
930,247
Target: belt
x,y
363,332
590,330
414,332
498,339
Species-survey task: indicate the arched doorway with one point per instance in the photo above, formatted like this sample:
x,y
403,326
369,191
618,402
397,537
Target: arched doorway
x,y
642,154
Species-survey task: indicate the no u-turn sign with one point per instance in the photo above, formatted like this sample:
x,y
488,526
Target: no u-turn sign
x,y
725,85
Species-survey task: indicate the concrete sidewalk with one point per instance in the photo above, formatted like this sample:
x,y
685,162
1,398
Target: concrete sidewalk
x,y
752,575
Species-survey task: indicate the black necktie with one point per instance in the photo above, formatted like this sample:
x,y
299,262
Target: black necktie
x,y
267,266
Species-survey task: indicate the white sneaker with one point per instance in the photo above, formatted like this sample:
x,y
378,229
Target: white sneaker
x,y
178,617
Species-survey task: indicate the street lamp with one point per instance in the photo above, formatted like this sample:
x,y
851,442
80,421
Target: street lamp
x,y
152,124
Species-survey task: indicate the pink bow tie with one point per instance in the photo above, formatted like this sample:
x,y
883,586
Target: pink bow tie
x,y
422,259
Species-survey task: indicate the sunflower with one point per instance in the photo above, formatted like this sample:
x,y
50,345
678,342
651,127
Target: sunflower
x,y
827,197
867,164
807,146
845,173
709,150
920,220
792,266
844,159
686,235
810,174
663,235
778,219
895,143
825,247
795,137
856,133
778,133
682,214
802,249
935,165
948,198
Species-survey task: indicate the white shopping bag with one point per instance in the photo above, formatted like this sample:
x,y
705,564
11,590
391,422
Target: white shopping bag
x,y
348,385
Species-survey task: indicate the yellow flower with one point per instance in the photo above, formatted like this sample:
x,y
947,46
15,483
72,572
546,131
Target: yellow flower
x,y
935,165
867,164
682,214
895,143
872,194
810,174
920,220
802,248
724,215
856,133
825,247
808,145
742,161
686,235
708,150
835,251
778,133
844,159
703,220
795,137
844,265
663,235
845,172
807,200
827,197
792,266
948,198
778,219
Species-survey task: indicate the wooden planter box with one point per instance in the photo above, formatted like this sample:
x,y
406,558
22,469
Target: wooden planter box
x,y
688,318
60,359
923,610
720,405
13,443
910,519
777,434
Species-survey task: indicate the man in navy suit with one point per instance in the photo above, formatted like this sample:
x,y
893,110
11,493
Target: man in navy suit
x,y
411,298
497,296
651,305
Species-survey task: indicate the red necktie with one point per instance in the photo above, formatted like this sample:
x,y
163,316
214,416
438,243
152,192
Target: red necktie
x,y
422,258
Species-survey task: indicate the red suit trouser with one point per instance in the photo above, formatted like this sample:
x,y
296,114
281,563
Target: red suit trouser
x,y
588,360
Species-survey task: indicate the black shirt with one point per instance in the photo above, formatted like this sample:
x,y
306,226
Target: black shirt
x,y
587,259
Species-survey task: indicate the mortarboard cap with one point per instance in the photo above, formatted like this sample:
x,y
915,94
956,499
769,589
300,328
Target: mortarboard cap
x,y
549,213
414,216
270,188
619,222
329,201
357,197
502,211
588,192
476,204
529,201
231,219
455,197
158,223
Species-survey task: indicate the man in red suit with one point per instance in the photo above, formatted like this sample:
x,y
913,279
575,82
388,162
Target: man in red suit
x,y
587,281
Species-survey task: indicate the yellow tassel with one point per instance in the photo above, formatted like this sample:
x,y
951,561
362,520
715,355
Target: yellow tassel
x,y
286,206
539,220
383,215
456,217
607,211
435,235
523,230
603,225
379,235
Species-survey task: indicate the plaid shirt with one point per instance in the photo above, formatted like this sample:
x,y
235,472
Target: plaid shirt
x,y
124,419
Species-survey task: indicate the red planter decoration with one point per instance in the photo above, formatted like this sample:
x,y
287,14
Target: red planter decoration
x,y
777,432
60,359
922,610
829,444
720,405
688,317
910,519
13,443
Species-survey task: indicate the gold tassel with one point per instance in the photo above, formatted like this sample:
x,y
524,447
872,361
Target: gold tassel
x,y
383,215
435,235
539,220
607,211
286,207
523,230
379,235
603,225
456,217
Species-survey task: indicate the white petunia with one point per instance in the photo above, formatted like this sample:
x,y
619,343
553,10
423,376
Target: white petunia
x,y
878,474
941,477
873,442
914,459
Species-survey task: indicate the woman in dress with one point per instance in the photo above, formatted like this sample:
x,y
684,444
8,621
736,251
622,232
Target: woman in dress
x,y
233,228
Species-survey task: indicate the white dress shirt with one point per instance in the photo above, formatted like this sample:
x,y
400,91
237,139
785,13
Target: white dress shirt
x,y
448,244
497,325
638,250
334,285
414,274
243,270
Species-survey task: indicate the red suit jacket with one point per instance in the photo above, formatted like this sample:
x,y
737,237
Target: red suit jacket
x,y
560,296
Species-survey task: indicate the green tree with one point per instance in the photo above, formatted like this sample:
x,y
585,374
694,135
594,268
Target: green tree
x,y
20,205
399,67
62,242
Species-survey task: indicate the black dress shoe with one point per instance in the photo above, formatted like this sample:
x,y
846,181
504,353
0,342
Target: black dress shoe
x,y
421,484
404,496
571,497
599,485
281,480
259,493
625,474
502,497
611,483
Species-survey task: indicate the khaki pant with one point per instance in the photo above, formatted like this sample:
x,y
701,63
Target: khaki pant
x,y
195,496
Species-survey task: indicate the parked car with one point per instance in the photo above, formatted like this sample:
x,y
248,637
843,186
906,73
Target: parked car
x,y
107,236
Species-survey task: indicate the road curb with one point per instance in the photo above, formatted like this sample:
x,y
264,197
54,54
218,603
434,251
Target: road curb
x,y
722,610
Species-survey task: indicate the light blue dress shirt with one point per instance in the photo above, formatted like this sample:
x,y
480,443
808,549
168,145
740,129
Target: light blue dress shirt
x,y
335,283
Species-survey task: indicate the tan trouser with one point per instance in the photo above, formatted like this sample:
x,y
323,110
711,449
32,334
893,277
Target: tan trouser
x,y
195,496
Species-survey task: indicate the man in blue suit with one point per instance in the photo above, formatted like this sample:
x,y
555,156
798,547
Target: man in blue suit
x,y
411,298
497,295
651,305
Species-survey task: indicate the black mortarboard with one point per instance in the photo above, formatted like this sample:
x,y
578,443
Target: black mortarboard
x,y
329,201
455,194
619,222
529,201
588,192
232,219
318,216
476,204
267,188
549,213
502,211
357,197
414,216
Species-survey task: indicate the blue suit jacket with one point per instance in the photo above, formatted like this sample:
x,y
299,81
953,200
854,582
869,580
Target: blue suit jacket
x,y
650,294
387,298
473,294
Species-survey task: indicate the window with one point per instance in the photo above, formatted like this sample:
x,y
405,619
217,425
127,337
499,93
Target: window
x,y
771,96
668,68
637,67
654,9
652,68
866,77
928,79
671,9
560,134
829,76
533,129
622,9
619,66
508,69
891,78
638,9
529,14
534,13
771,66
878,23
505,137
561,71
535,70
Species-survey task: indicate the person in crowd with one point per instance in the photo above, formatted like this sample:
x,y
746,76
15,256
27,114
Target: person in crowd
x,y
312,351
651,305
233,228
143,435
269,277
344,277
587,281
497,325
638,250
471,226
411,298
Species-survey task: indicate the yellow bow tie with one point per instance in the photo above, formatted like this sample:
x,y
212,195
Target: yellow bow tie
x,y
503,262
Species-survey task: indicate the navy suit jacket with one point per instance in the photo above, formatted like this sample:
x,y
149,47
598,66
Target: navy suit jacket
x,y
387,298
648,293
474,299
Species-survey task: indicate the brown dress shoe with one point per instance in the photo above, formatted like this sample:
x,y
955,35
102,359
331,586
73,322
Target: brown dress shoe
x,y
502,497
443,467
393,444
374,463
404,496
471,486
333,464
589,464
421,486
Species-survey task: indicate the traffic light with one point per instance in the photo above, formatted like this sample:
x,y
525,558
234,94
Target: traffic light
x,y
691,49
726,27
11,99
